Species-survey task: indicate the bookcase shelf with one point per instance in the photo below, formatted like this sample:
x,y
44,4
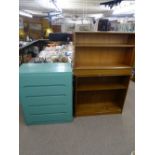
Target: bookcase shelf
x,y
100,87
102,66
102,102
103,45
102,83
121,66
97,108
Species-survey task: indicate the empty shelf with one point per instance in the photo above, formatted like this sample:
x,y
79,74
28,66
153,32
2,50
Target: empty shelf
x,y
97,108
101,87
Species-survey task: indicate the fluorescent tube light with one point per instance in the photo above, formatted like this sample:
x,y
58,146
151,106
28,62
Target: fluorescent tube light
x,y
54,13
98,15
38,13
22,13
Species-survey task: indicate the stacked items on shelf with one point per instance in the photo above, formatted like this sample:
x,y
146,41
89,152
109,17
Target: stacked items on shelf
x,y
30,53
119,25
55,52
23,43
128,26
102,68
29,50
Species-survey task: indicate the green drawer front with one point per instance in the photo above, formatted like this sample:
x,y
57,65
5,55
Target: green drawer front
x,y
46,100
43,80
50,90
49,118
56,111
44,110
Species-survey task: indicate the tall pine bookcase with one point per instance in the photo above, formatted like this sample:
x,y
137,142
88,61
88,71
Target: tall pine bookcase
x,y
102,66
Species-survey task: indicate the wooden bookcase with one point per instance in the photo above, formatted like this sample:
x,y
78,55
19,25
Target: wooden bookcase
x,y
102,66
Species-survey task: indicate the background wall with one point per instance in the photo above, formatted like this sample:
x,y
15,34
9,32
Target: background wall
x,y
34,27
77,24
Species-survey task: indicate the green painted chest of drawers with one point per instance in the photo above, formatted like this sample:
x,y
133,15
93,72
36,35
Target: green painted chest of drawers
x,y
46,92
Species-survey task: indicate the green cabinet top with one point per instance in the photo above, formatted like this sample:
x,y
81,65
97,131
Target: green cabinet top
x,y
45,67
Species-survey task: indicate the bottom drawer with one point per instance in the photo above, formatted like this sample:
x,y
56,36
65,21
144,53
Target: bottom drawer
x,y
49,109
48,118
47,114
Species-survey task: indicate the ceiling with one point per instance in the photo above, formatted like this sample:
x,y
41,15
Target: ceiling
x,y
68,7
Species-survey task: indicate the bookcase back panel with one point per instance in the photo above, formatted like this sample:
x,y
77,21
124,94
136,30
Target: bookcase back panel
x,y
87,56
103,38
102,82
97,96
131,39
100,102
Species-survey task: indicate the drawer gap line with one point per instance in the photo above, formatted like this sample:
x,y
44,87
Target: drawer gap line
x,y
44,85
59,104
46,95
49,113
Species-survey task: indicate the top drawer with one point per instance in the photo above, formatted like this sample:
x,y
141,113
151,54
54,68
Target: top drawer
x,y
44,79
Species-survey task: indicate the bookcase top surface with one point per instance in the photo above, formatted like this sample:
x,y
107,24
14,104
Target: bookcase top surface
x,y
103,32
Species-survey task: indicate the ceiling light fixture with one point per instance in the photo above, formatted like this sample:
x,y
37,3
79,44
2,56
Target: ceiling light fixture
x,y
54,13
35,13
98,15
23,13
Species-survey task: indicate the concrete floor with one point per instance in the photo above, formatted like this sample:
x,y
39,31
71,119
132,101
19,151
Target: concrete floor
x,y
95,135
